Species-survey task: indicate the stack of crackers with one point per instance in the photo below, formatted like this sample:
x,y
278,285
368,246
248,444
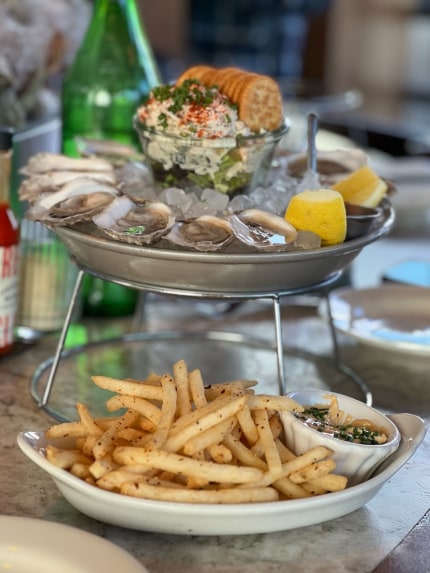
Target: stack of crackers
x,y
258,97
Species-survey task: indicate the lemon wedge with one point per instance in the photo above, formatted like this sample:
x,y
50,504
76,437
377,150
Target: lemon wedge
x,y
363,187
321,211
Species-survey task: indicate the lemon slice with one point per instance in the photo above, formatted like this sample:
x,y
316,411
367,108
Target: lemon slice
x,y
363,187
321,211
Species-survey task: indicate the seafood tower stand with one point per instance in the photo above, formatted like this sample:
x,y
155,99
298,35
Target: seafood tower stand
x,y
113,71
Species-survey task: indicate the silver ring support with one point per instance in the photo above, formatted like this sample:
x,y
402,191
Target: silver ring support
x,y
53,362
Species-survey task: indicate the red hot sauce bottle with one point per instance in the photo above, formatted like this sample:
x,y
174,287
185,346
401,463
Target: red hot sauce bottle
x,y
9,258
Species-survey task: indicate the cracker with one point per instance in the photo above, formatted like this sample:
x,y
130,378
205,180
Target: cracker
x,y
260,103
195,73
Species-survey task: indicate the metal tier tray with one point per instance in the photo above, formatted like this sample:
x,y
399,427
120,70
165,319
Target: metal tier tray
x,y
216,274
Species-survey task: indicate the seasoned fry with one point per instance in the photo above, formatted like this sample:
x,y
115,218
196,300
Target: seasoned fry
x,y
237,387
210,437
328,482
187,466
197,389
183,442
65,458
106,442
67,430
310,457
271,453
140,405
313,471
175,442
230,495
168,410
87,420
129,388
180,374
278,403
247,425
244,454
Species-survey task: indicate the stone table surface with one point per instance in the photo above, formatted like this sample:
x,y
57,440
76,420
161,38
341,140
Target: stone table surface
x,y
390,533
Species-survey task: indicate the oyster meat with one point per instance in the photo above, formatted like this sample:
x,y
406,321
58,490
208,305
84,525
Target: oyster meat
x,y
136,223
205,233
262,230
77,201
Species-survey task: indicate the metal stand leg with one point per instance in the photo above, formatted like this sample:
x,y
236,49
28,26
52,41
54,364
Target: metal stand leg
x,y
47,391
279,346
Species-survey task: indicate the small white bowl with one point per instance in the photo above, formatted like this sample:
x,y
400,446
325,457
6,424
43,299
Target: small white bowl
x,y
354,460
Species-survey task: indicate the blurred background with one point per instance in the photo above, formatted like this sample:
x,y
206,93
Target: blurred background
x,y
379,49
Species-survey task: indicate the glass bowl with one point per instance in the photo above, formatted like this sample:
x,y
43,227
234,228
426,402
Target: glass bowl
x,y
230,165
355,460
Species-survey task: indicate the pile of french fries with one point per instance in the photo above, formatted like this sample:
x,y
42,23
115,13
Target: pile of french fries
x,y
176,440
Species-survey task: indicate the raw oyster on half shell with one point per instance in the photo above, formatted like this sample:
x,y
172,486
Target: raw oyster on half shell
x,y
46,162
205,233
262,230
77,201
32,187
136,223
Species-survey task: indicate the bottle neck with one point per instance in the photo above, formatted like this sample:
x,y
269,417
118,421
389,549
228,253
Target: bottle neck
x,y
116,23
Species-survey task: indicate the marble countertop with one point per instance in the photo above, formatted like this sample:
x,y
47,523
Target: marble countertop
x,y
387,534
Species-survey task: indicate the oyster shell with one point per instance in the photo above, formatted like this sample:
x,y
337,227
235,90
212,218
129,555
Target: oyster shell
x,y
262,230
77,201
46,162
39,183
139,224
205,233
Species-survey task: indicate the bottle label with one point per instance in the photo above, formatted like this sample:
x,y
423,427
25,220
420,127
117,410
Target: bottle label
x,y
9,257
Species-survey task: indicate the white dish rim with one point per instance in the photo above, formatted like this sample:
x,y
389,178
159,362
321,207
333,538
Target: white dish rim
x,y
224,519
24,539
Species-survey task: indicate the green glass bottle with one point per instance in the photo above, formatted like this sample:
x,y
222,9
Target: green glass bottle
x,y
113,71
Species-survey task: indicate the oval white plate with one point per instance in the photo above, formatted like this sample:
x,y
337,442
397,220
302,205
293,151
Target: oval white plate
x,y
40,546
234,519
394,317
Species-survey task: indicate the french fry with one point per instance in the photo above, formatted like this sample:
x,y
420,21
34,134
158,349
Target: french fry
x,y
237,387
220,453
313,471
290,489
247,425
129,387
168,410
64,458
231,495
310,457
175,442
278,403
244,454
67,430
180,374
328,482
271,453
102,466
140,405
80,470
106,442
87,420
197,389
213,435
187,466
